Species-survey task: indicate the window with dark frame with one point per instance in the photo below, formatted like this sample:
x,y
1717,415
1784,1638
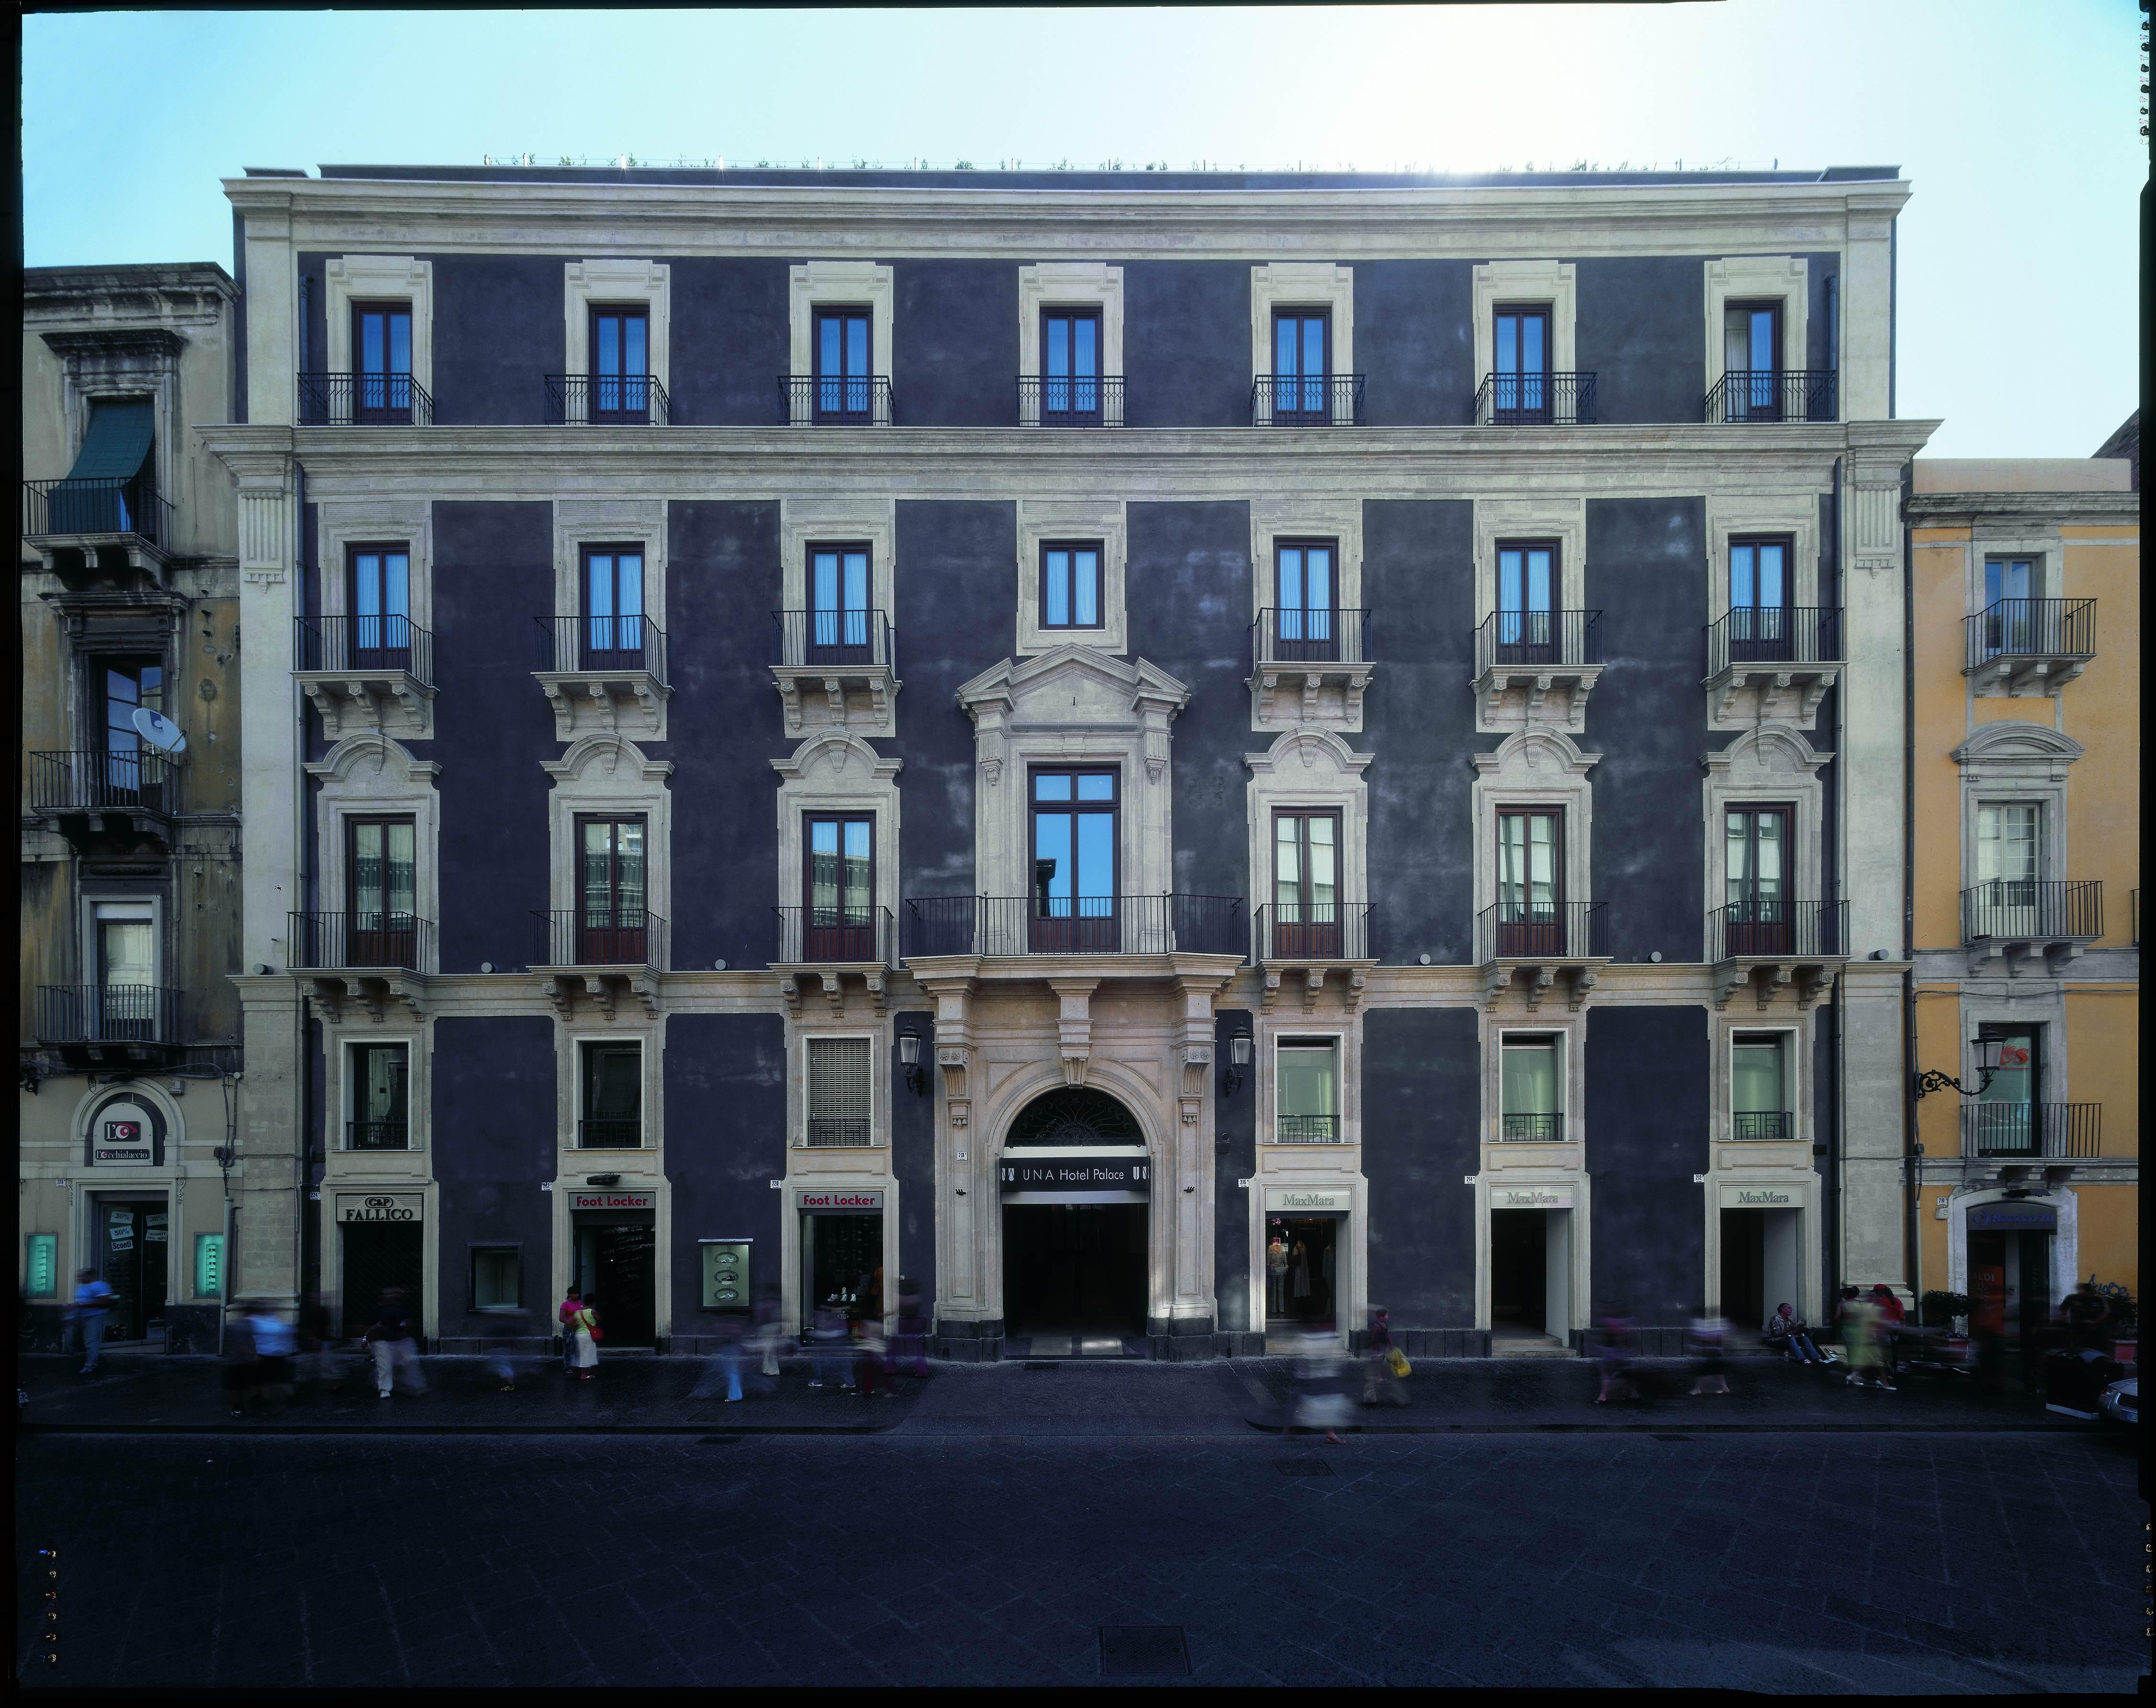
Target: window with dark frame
x,y
838,886
1069,367
1070,584
1072,904
1528,1089
840,1110
2008,1113
1530,881
380,1118
1307,1086
497,1278
382,362
621,365
844,353
611,916
1306,624
839,605
378,595
1306,884
1302,367
613,587
1759,614
381,891
2010,608
1521,352
1528,584
1758,1091
612,1118
130,686
1751,360
1756,878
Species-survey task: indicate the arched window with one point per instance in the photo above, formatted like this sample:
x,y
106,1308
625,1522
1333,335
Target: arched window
x,y
1075,1115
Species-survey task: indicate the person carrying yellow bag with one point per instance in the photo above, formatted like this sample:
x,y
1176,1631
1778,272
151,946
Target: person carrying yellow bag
x,y
1386,1367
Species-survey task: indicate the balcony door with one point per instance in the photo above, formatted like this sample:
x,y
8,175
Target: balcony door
x,y
381,363
1759,600
2008,1112
133,773
127,993
1522,382
380,893
839,889
839,605
1072,904
1308,620
1751,360
613,608
2010,608
380,1116
1306,886
612,922
1070,367
1530,883
1526,594
844,379
2009,860
621,366
1756,852
1302,367
378,594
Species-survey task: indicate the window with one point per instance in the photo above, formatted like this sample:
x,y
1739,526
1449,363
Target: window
x,y
2008,1112
1530,882
613,607
379,1121
2009,863
839,605
1751,360
1758,1101
1308,1088
1523,348
41,1266
131,777
1758,600
1302,367
380,892
381,356
612,1112
378,591
838,1091
2009,606
1755,866
839,888
611,918
844,373
1307,626
1073,903
1305,885
1071,585
1527,588
1527,1089
126,996
621,365
497,1277
209,1266
1069,367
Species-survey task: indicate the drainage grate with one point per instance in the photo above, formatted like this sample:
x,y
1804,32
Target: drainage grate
x,y
1302,1467
1143,1652
1673,1438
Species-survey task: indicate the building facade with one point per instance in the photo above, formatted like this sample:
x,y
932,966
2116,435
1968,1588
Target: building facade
x,y
1161,757
2025,990
131,886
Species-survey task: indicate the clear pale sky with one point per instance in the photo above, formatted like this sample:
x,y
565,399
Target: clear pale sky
x,y
2016,124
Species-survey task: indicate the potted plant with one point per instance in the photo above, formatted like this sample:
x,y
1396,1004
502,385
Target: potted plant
x,y
1941,1310
2125,1321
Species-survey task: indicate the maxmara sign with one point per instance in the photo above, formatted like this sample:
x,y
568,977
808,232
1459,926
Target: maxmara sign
x,y
1288,1200
1760,1197
1530,1197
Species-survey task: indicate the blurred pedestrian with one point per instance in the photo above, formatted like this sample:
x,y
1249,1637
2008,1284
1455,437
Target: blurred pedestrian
x,y
1321,1399
2088,1313
274,1342
1891,1316
238,1356
769,1332
870,1367
565,1313
584,1335
1612,1353
1383,1378
321,1362
390,1340
1862,1328
908,1346
827,1342
93,1298
1711,1371
510,1323
722,1376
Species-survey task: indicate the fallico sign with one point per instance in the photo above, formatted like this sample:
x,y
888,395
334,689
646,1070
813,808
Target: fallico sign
x,y
380,1207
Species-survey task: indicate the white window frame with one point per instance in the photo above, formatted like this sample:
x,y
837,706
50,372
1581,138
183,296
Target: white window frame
x,y
579,522
1769,765
348,1039
835,772
1551,284
1280,1029
350,278
1276,516
1329,777
1794,516
1541,770
1292,285
124,907
1570,1033
343,523
1785,278
371,775
574,1038
1043,519
1502,522
879,1088
2012,761
607,775
1074,284
814,284
630,283
1796,1084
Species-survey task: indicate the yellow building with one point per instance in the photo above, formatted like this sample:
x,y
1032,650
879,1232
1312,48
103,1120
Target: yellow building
x,y
2025,711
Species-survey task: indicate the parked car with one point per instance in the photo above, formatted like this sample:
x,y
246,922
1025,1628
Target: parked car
x,y
2121,1402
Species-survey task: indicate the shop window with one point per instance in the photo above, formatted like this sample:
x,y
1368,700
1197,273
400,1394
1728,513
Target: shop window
x,y
1757,1086
497,1277
1308,1077
838,1091
1529,1104
379,1121
41,1266
613,1116
209,1266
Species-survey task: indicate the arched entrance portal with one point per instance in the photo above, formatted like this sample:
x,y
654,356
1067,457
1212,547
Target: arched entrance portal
x,y
1077,1186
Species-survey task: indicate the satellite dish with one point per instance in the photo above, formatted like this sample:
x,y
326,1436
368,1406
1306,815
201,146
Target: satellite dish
x,y
159,731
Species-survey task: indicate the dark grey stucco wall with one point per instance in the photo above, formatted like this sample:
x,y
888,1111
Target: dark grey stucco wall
x,y
1235,1158
498,333
1422,1106
1642,332
1418,719
1646,573
913,1160
1415,341
1187,343
728,342
726,1143
954,330
494,1125
493,573
1645,1137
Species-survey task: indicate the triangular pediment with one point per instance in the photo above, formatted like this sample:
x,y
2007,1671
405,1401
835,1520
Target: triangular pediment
x,y
1072,684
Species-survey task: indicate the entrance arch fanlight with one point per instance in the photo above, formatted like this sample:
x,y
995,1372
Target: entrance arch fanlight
x,y
1075,1115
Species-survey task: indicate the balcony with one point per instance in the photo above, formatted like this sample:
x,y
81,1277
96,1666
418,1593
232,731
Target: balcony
x,y
364,959
605,400
831,945
1284,400
71,524
610,1133
2032,1129
1305,1129
364,400
2011,920
118,1026
996,926
1310,667
377,1136
1543,1129
373,673
1764,394
1302,942
2025,648
604,673
602,955
833,669
1057,401
1521,658
804,400
1770,942
1541,939
108,802
846,1130
1772,662
1535,400
1762,1124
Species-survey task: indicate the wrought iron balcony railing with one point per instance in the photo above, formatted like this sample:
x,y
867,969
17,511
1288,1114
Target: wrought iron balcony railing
x,y
1535,400
1058,400
860,639
2024,629
1288,400
838,1130
141,780
97,505
108,1014
861,936
333,942
1306,1128
1542,931
2026,909
1324,636
1762,1124
1530,638
1314,931
1771,928
610,1132
2032,1129
377,1136
364,400
808,400
1085,924
575,936
1775,635
605,400
385,645
601,645
1541,1128
1764,394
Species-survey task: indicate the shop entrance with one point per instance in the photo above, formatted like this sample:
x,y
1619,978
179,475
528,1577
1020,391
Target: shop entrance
x,y
1759,1265
841,1266
1303,1271
132,1253
1531,1274
617,1268
2010,1284
377,1256
1075,1269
